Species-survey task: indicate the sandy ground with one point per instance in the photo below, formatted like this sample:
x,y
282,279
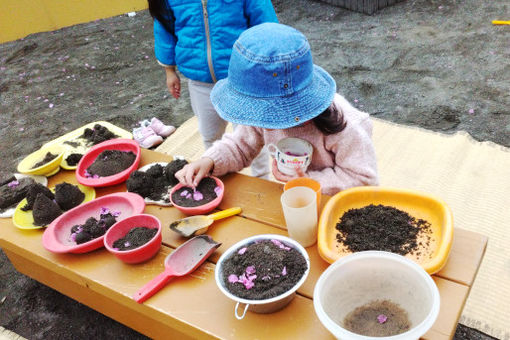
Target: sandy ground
x,y
440,65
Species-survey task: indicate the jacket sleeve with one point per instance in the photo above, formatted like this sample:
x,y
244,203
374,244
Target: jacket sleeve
x,y
355,159
164,44
259,11
235,151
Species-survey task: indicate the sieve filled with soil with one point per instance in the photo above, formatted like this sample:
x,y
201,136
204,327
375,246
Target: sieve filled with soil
x,y
263,272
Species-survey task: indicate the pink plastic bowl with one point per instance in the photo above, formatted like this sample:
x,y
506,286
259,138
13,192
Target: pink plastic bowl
x,y
201,209
91,155
120,229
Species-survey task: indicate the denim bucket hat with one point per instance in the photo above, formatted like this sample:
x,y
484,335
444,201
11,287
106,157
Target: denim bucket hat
x,y
272,81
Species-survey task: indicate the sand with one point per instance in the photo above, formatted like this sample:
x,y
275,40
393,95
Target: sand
x,y
440,65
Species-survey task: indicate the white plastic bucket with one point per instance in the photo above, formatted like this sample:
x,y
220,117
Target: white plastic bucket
x,y
363,277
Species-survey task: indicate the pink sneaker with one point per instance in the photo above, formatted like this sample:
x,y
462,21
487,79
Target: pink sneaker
x,y
160,128
146,137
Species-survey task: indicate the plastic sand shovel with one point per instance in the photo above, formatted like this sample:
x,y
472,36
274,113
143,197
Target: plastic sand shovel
x,y
199,224
500,22
182,261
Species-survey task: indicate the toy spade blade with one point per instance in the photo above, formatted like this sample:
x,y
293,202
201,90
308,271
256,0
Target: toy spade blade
x,y
199,224
182,261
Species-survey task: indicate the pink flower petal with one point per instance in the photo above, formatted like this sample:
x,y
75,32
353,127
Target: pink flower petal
x,y
242,251
284,271
250,270
232,278
381,318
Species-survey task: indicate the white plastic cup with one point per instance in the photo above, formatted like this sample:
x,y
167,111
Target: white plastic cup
x,y
291,154
360,278
299,206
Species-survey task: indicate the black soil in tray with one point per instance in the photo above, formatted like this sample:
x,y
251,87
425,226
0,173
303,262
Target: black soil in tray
x,y
263,270
111,162
93,228
380,227
156,181
135,238
205,192
13,191
68,196
45,210
73,159
97,134
47,158
34,190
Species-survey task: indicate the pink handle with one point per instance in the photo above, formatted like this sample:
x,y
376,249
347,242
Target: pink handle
x,y
152,287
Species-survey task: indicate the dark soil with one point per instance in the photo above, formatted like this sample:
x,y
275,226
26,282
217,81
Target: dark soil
x,y
47,158
74,159
14,191
156,181
45,210
263,270
377,318
419,62
205,192
97,134
135,238
111,162
68,196
379,227
93,228
34,190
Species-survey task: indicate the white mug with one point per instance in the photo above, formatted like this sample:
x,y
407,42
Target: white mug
x,y
291,154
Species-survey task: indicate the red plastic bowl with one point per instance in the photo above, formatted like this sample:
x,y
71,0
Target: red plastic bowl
x,y
201,209
90,156
120,229
57,237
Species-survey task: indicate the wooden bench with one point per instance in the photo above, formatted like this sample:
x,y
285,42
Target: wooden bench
x,y
192,306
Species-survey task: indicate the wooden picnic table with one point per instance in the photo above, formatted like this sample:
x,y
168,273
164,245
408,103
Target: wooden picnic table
x,y
192,306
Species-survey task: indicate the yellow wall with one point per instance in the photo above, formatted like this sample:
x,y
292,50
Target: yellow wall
x,y
19,18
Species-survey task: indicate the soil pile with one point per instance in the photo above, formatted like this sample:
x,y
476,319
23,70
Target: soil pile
x,y
13,191
111,162
45,210
97,134
47,158
68,196
205,192
73,159
135,238
93,228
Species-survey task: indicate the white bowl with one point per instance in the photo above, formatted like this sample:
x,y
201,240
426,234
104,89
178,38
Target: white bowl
x,y
267,305
363,277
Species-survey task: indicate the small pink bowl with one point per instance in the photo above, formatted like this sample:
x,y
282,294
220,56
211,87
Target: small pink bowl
x,y
120,229
201,209
90,156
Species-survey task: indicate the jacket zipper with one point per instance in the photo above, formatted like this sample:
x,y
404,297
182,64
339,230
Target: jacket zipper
x,y
208,38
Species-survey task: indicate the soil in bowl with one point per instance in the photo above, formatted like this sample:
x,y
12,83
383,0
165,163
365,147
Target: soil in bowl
x,y
379,318
206,191
68,196
136,237
73,159
110,162
45,210
93,228
34,190
47,158
13,191
263,270
154,183
97,134
385,228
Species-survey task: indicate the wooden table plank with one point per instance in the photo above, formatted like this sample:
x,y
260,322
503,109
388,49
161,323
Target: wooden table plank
x,y
193,306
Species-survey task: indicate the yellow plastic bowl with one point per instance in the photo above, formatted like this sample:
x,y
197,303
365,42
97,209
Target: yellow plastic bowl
x,y
48,169
419,205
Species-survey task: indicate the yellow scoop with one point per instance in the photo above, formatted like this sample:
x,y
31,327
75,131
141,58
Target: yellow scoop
x,y
196,225
501,22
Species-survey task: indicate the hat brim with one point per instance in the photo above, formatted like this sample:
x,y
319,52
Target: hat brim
x,y
275,112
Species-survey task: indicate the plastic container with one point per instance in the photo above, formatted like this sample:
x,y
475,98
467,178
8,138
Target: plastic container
x,y
48,169
306,182
91,155
363,277
201,209
268,305
120,229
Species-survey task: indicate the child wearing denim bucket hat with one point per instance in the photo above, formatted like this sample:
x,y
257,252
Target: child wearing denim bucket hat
x,y
273,90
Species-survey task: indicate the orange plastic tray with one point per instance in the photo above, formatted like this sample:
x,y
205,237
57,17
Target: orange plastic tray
x,y
419,205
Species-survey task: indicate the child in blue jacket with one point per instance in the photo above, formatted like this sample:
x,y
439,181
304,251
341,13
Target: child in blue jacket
x,y
196,37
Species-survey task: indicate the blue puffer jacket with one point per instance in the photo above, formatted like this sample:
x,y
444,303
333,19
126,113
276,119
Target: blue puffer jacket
x,y
188,47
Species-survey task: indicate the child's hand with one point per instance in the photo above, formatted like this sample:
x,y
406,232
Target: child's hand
x,y
282,177
191,174
173,82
